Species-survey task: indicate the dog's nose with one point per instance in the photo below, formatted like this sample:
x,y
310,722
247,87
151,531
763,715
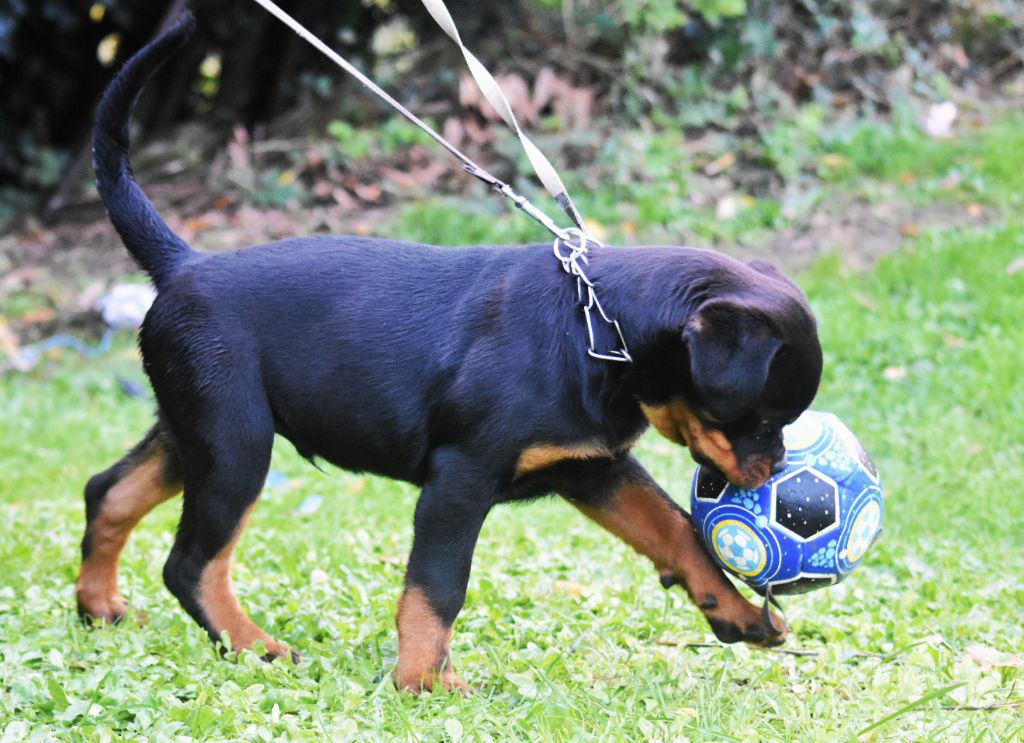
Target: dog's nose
x,y
779,463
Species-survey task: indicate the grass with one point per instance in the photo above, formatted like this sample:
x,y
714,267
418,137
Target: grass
x,y
566,632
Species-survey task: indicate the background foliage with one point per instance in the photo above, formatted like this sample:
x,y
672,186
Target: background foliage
x,y
712,64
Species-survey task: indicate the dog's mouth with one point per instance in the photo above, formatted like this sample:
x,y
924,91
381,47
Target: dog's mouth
x,y
710,446
752,474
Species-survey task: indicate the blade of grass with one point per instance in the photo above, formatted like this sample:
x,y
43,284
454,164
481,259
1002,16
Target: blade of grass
x,y
933,694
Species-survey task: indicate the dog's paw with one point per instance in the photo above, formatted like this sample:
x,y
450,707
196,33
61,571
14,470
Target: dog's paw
x,y
751,632
417,684
101,610
279,651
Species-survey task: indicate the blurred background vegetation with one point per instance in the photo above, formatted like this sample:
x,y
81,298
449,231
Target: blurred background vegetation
x,y
731,67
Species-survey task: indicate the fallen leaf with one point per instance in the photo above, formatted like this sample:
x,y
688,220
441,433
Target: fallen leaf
x,y
833,160
343,200
938,122
960,57
9,342
865,302
367,192
720,164
453,131
478,134
987,657
88,297
574,107
894,373
414,179
727,207
21,277
906,178
953,341
573,589
950,182
516,91
910,229
545,87
597,229
974,210
314,157
195,225
38,315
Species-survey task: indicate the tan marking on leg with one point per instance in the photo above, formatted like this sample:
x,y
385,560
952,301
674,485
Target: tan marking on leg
x,y
423,642
138,491
642,517
538,457
216,597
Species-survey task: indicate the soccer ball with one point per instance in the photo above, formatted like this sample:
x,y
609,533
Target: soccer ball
x,y
809,525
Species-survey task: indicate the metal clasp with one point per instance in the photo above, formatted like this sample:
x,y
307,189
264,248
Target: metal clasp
x,y
574,264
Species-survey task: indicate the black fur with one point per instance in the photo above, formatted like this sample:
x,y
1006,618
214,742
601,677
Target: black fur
x,y
157,250
437,366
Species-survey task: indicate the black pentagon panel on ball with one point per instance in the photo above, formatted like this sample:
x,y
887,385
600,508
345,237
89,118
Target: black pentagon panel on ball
x,y
710,484
866,461
806,504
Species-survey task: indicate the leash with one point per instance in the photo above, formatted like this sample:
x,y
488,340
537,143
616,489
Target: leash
x,y
767,621
571,245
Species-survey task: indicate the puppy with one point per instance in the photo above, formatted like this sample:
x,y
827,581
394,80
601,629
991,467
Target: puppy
x,y
462,370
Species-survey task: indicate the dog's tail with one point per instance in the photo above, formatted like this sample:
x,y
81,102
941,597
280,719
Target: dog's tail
x,y
148,238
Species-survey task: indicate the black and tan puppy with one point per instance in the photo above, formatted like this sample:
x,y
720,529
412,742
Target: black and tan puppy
x,y
462,370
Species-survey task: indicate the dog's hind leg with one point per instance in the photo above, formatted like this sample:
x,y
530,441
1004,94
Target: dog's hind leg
x,y
225,462
115,501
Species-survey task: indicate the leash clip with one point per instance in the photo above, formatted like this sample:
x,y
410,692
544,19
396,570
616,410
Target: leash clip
x,y
477,172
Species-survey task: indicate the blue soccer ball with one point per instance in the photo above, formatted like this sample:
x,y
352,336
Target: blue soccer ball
x,y
809,525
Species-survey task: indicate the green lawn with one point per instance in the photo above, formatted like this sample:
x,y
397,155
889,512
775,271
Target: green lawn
x,y
567,633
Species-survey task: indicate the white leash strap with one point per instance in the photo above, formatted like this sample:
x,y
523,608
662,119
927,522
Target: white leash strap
x,y
489,87
471,167
321,47
574,239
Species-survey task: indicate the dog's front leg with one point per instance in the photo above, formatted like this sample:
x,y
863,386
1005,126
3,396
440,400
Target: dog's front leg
x,y
449,514
624,499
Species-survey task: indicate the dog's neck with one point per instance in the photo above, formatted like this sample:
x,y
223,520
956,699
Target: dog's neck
x,y
654,292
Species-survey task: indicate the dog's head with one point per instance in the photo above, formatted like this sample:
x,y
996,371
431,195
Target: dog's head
x,y
749,364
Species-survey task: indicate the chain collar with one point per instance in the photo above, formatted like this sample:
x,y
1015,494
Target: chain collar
x,y
574,263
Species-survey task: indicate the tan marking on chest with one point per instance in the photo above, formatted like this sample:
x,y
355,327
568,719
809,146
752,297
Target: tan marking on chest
x,y
545,455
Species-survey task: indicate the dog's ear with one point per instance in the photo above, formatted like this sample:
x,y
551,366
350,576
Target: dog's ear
x,y
763,267
731,349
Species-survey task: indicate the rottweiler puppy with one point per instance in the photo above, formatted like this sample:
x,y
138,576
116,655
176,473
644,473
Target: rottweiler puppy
x,y
462,370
